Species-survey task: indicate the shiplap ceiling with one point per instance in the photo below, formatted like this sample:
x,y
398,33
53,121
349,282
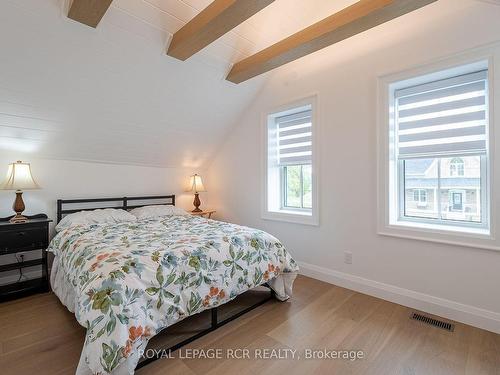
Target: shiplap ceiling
x,y
494,2
111,94
277,21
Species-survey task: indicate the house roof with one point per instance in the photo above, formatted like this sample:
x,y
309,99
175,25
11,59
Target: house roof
x,y
418,166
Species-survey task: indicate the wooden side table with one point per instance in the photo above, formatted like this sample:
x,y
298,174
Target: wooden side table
x,y
207,213
20,238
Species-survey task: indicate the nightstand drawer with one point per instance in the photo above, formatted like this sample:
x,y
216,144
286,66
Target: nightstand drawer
x,y
23,239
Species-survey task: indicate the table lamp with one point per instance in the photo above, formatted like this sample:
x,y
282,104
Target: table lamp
x,y
19,178
196,186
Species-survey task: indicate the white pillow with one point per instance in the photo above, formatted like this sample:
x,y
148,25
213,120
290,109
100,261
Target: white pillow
x,y
157,211
99,216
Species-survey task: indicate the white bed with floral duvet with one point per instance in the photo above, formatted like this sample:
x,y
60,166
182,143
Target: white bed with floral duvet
x,y
125,281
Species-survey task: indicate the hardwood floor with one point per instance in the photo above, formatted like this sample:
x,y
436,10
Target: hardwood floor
x,y
39,336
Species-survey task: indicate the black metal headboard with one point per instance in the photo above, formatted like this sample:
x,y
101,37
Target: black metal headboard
x,y
120,203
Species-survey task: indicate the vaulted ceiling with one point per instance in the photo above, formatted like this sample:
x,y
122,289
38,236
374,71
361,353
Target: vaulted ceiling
x,y
111,94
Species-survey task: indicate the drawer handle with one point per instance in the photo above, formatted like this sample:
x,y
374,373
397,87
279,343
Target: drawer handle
x,y
21,234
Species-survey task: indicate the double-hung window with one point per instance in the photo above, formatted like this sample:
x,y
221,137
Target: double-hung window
x,y
290,190
440,145
294,159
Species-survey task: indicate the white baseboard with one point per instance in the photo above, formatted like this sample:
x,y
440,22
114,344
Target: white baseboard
x,y
485,319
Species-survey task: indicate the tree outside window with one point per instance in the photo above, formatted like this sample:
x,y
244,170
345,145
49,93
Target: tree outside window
x,y
297,180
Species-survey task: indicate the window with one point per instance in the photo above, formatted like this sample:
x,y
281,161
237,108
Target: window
x,y
440,138
457,167
420,197
290,190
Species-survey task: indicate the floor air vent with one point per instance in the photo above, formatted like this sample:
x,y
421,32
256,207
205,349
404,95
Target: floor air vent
x,y
433,322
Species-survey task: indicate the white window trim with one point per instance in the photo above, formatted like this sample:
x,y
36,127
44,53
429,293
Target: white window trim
x,y
472,237
296,216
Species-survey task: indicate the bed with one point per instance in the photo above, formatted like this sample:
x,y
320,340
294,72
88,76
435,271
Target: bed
x,y
127,281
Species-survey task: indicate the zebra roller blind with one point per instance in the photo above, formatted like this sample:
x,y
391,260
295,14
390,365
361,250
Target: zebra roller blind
x,y
444,117
294,136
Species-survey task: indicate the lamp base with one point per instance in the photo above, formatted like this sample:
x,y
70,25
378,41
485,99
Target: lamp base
x,y
18,218
196,203
18,208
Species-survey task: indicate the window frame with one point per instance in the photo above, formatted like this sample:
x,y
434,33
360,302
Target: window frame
x,y
276,210
487,57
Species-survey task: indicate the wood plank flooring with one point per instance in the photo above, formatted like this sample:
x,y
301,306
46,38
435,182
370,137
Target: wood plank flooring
x,y
39,336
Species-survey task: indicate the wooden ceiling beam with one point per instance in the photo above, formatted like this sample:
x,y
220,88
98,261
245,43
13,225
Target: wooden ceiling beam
x,y
211,23
355,19
88,12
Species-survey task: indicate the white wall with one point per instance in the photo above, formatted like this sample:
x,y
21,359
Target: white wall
x,y
61,179
458,282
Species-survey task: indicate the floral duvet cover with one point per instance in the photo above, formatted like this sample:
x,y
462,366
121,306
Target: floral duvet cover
x,y
130,280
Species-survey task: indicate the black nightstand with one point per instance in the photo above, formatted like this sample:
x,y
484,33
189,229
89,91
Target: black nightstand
x,y
23,237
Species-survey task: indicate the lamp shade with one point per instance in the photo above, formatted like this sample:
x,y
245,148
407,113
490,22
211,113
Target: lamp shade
x,y
19,177
196,184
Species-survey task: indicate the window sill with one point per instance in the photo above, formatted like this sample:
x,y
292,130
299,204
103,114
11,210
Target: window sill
x,y
451,235
444,229
296,217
